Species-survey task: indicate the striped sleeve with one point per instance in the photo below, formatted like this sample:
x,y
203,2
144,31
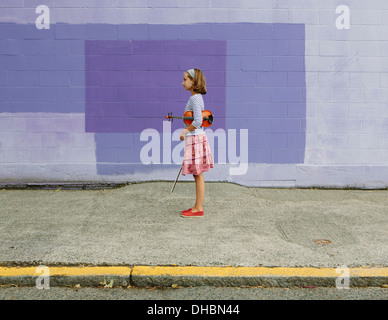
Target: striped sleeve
x,y
197,103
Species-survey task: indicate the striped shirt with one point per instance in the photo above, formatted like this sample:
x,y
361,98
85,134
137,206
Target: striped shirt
x,y
196,105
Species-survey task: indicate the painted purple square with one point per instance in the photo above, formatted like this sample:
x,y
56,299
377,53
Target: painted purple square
x,y
144,78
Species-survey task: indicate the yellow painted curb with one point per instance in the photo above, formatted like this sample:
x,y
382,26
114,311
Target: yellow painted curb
x,y
255,271
154,271
66,271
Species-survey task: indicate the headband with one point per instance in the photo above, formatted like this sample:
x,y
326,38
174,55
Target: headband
x,y
191,72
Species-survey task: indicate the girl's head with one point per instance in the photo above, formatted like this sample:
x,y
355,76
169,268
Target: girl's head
x,y
194,80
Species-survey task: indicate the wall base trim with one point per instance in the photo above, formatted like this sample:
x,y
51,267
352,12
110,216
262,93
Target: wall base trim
x,y
257,175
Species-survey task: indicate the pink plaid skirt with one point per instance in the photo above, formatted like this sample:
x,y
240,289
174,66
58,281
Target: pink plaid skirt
x,y
197,157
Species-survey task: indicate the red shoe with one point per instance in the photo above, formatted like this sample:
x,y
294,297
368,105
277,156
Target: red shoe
x,y
191,214
186,210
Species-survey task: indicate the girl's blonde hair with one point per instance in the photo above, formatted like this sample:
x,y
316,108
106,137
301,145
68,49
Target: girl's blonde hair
x,y
199,84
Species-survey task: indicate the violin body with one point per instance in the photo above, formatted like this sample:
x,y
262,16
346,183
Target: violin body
x,y
188,117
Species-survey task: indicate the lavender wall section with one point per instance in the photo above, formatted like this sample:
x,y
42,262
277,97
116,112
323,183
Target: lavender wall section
x,y
42,70
131,85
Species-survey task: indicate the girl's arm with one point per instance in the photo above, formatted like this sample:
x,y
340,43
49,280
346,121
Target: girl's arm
x,y
197,113
186,131
191,127
197,122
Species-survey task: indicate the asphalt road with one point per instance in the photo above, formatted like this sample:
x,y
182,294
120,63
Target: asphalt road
x,y
195,293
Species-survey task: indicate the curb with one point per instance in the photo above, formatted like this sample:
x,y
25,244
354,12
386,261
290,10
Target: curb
x,y
192,276
61,185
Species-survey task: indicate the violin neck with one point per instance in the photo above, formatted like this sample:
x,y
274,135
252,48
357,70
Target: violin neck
x,y
188,118
184,118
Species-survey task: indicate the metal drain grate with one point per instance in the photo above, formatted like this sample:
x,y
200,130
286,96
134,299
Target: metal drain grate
x,y
322,241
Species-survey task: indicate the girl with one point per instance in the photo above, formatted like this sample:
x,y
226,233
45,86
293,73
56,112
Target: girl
x,y
197,155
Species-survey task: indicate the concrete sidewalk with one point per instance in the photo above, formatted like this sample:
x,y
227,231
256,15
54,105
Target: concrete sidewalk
x,y
295,235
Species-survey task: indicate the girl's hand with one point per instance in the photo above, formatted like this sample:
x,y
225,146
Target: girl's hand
x,y
183,134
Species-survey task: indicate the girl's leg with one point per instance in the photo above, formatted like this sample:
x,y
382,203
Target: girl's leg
x,y
200,192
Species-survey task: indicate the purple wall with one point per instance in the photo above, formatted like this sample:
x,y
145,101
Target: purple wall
x,y
132,85
128,77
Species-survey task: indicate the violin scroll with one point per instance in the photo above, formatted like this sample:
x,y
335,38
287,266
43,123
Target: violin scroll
x,y
170,117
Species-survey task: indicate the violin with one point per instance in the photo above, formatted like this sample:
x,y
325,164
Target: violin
x,y
188,117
